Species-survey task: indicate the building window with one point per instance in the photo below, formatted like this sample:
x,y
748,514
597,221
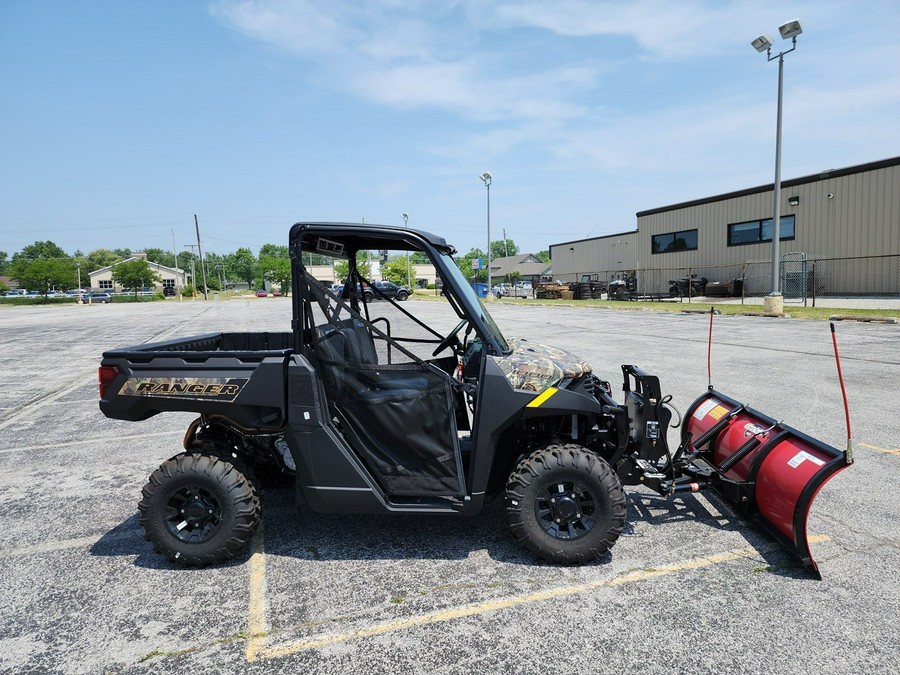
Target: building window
x,y
106,284
168,283
759,231
674,241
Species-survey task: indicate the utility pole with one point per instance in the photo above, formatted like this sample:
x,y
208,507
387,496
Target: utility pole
x,y
193,273
200,251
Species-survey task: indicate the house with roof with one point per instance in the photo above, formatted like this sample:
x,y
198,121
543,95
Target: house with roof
x,y
527,267
172,277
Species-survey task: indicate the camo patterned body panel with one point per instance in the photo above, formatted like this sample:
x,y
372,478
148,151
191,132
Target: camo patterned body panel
x,y
535,367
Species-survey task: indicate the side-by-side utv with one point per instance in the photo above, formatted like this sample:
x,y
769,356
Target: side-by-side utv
x,y
368,408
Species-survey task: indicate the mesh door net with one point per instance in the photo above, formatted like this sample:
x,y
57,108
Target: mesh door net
x,y
399,416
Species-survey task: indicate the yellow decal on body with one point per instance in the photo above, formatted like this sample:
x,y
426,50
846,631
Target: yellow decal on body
x,y
717,412
543,396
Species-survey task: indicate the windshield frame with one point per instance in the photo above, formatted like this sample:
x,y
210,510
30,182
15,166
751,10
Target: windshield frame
x,y
465,294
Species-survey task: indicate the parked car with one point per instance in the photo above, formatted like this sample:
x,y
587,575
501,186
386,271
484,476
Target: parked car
x,y
262,293
92,297
511,291
169,291
389,290
16,293
277,294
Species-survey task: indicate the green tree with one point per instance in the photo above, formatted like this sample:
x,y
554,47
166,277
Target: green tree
x,y
501,249
465,265
123,253
277,271
543,256
4,261
134,275
160,256
273,251
98,259
242,264
40,249
419,258
395,270
44,274
310,259
342,269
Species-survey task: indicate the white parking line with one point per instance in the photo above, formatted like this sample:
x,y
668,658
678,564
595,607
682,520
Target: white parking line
x,y
258,627
86,441
50,547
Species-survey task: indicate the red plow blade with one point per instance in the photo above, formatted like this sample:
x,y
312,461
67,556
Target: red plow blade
x,y
764,468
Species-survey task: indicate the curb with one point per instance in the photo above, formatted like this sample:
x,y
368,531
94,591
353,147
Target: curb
x,y
866,319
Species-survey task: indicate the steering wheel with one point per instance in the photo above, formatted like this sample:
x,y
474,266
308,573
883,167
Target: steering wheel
x,y
451,338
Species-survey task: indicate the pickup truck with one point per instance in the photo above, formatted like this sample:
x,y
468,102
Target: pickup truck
x,y
382,407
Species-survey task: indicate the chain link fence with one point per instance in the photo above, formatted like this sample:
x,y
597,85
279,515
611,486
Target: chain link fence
x,y
864,281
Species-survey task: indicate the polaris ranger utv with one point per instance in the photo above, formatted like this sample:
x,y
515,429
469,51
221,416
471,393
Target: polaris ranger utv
x,y
367,408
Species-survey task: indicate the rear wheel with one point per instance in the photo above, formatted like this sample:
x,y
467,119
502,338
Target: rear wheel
x,y
199,510
565,505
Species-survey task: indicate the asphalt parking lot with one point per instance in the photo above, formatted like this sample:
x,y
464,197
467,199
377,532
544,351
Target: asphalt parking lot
x,y
688,588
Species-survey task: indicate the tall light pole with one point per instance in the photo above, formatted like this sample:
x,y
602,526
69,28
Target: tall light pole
x,y
486,177
405,217
789,30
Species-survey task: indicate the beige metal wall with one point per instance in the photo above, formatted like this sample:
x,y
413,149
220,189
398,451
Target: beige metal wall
x,y
615,252
862,218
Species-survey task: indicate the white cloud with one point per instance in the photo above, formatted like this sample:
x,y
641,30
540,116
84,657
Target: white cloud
x,y
303,28
459,57
396,54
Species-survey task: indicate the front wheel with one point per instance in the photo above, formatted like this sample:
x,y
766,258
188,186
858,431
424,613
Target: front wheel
x,y
199,510
401,296
565,505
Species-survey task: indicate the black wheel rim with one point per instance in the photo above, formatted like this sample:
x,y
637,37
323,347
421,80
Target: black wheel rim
x,y
193,514
566,509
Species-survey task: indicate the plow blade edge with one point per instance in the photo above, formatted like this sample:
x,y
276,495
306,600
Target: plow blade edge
x,y
766,469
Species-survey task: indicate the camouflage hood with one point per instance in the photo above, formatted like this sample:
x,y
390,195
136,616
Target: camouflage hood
x,y
535,367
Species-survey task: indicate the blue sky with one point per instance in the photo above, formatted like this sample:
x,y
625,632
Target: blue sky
x,y
120,120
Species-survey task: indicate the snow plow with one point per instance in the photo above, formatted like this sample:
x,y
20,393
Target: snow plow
x,y
764,469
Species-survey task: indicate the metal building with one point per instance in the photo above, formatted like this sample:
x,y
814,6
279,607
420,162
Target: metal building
x,y
840,233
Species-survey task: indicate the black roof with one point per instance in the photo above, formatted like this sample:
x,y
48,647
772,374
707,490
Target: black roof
x,y
362,236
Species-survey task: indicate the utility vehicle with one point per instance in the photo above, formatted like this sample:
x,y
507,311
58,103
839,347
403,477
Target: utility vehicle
x,y
367,408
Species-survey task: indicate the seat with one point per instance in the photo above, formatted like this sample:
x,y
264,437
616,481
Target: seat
x,y
349,344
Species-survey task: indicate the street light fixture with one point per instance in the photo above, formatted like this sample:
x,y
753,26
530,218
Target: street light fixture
x,y
405,217
789,30
486,177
